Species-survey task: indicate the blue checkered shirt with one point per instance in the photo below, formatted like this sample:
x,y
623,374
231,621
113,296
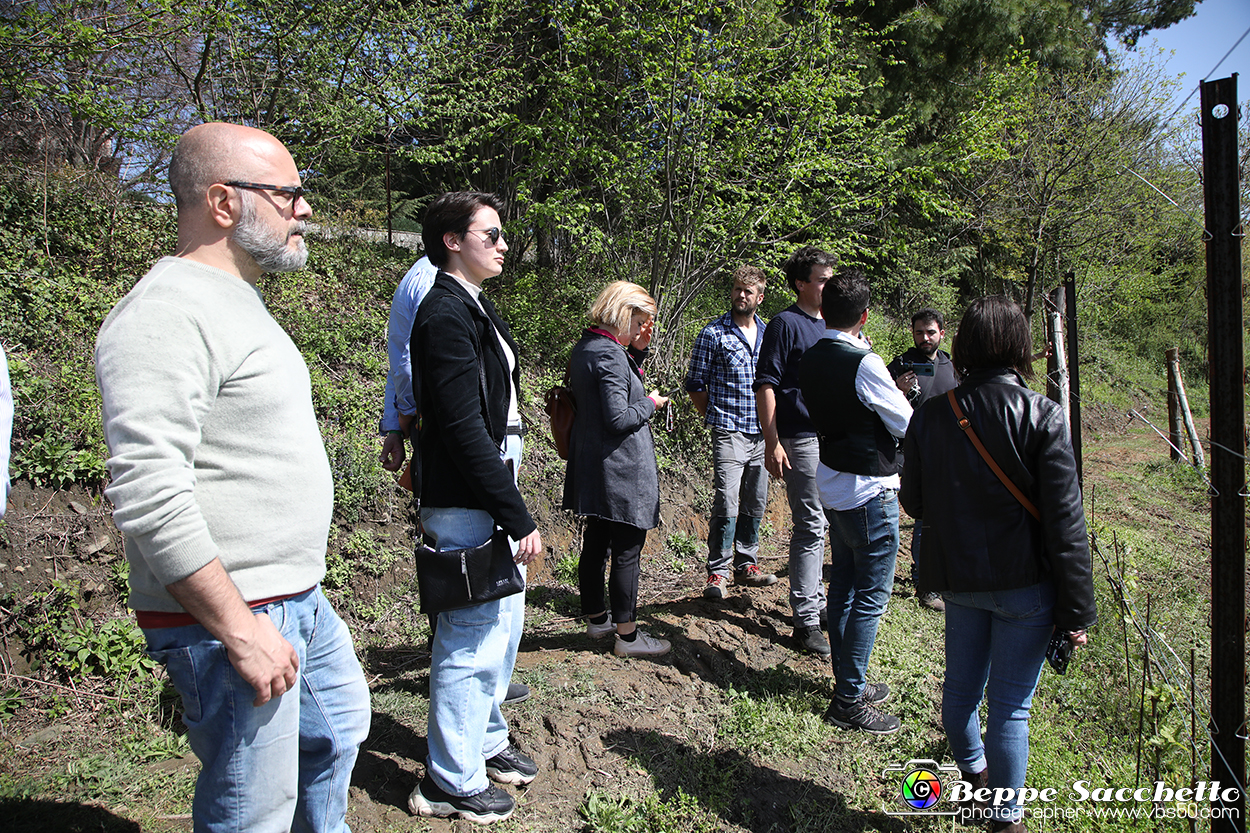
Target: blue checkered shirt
x,y
723,364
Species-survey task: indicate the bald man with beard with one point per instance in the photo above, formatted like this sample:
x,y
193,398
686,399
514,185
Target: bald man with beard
x,y
222,489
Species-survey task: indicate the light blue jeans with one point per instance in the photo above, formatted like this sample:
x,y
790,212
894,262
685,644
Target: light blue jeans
x,y
864,543
807,541
285,765
741,496
995,646
473,653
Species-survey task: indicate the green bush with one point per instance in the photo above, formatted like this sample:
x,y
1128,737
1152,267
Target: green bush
x,y
70,247
55,634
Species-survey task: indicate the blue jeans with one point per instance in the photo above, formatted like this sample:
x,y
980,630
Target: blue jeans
x,y
864,542
996,637
741,495
285,765
473,653
807,542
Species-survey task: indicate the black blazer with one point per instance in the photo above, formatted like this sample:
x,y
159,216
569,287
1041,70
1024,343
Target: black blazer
x,y
460,431
976,535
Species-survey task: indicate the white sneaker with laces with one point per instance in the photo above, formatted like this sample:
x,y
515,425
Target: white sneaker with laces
x,y
645,645
600,631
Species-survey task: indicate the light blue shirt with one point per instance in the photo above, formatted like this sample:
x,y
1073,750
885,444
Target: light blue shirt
x,y
840,490
408,295
6,429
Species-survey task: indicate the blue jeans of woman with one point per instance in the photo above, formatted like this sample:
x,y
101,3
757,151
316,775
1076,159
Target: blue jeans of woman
x,y
285,765
995,645
472,656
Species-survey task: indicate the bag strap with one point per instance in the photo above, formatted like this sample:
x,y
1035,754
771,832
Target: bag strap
x,y
966,427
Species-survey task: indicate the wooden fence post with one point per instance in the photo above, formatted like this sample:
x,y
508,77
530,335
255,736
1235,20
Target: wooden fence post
x,y
1174,410
1174,374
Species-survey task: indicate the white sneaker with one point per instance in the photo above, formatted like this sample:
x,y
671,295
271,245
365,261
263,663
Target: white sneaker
x,y
600,631
645,645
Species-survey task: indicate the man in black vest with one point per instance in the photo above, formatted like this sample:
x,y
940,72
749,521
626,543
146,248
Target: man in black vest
x,y
923,372
859,416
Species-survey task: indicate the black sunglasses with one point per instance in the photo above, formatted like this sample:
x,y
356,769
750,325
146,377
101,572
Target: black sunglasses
x,y
293,191
493,233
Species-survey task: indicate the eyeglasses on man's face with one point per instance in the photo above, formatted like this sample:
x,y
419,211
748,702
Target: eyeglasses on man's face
x,y
292,191
494,234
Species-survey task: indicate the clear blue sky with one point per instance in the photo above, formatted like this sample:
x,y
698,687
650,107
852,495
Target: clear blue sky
x,y
1201,41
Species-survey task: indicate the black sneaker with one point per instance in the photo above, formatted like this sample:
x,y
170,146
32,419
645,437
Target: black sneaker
x,y
812,641
931,600
517,693
490,805
862,716
875,693
512,766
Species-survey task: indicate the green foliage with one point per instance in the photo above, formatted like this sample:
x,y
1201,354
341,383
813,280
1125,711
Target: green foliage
x,y
57,464
52,628
11,702
565,570
683,545
338,572
369,553
70,245
773,723
606,813
358,476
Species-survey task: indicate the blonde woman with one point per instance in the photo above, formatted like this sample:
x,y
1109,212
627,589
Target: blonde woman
x,y
611,479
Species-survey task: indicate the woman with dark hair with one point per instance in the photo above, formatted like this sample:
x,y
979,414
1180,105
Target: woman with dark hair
x,y
466,382
612,480
1010,579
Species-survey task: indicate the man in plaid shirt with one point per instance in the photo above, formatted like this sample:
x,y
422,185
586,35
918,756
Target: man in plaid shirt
x,y
722,370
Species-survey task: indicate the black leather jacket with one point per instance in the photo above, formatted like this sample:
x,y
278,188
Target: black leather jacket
x,y
976,535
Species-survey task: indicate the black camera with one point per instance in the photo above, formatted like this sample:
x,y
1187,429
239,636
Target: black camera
x,y
1059,651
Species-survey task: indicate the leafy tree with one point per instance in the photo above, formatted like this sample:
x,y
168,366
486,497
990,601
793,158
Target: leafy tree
x,y
662,142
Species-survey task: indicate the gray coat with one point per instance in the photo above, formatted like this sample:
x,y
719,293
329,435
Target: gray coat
x,y
611,471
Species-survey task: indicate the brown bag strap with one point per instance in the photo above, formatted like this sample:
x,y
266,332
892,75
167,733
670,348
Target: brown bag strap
x,y
966,427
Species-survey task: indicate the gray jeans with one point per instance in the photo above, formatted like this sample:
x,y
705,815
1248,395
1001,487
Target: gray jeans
x,y
741,484
807,542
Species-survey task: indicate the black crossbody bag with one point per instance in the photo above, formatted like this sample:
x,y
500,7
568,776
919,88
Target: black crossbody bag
x,y
455,579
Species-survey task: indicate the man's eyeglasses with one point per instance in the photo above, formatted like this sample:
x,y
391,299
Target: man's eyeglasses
x,y
494,233
292,191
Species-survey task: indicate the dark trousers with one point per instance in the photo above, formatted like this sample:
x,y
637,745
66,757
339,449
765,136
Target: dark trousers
x,y
623,542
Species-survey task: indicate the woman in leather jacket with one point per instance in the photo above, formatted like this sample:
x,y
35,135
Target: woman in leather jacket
x,y
612,479
1009,580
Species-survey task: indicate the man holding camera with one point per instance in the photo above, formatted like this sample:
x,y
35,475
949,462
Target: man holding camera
x,y
921,373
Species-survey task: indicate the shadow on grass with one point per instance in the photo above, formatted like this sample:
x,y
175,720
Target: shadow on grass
x,y
33,816
741,792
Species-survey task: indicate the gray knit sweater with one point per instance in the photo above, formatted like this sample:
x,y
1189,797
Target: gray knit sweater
x,y
214,448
